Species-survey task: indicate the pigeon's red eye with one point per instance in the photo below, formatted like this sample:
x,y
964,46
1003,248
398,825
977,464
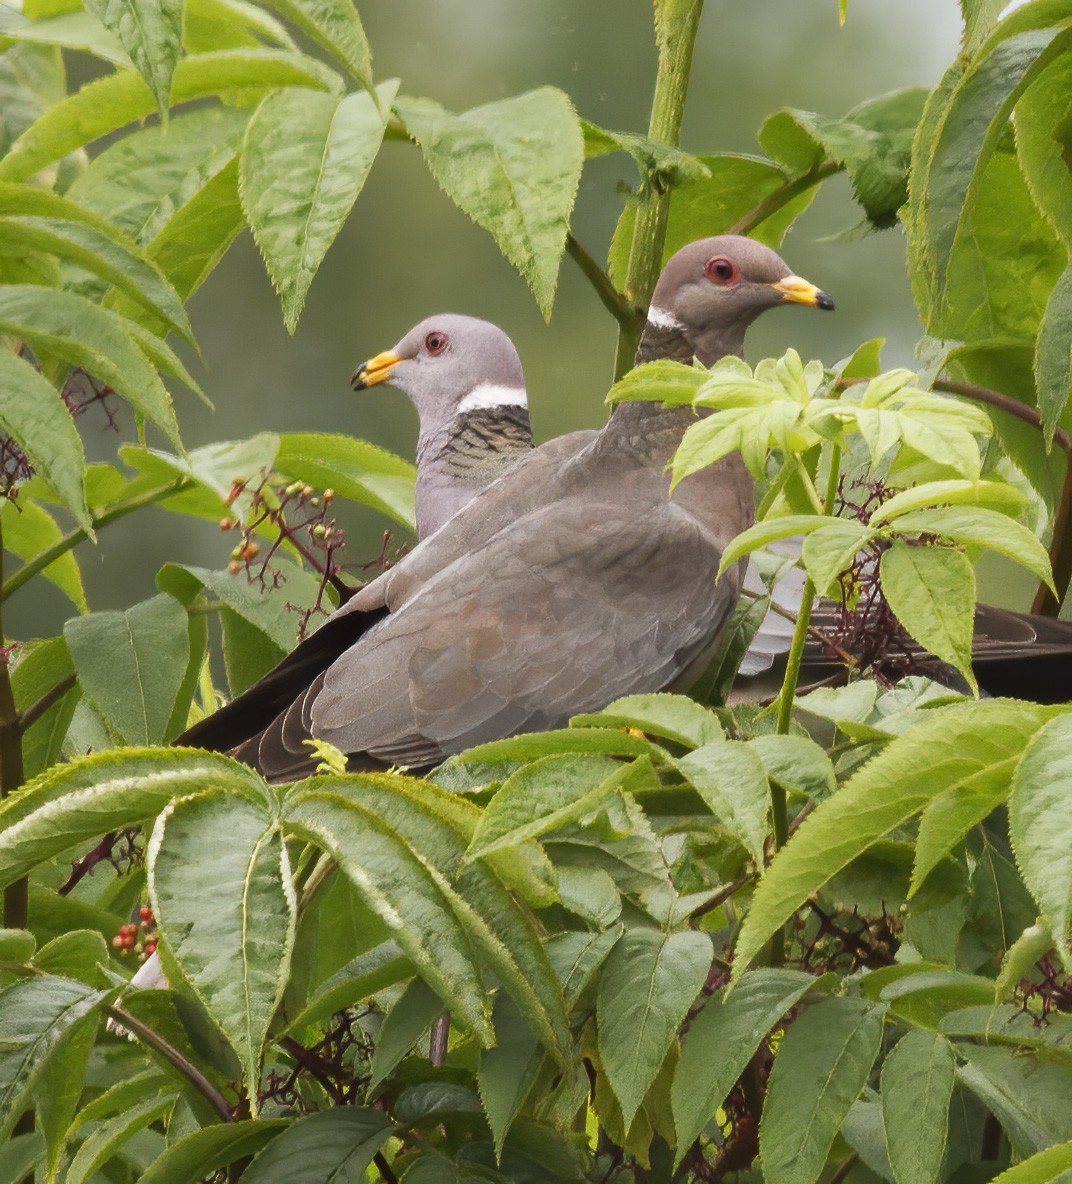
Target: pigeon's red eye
x,y
435,342
721,270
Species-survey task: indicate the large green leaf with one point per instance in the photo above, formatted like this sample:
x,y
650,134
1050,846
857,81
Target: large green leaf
x,y
81,333
966,748
131,664
304,162
32,79
151,33
513,166
647,984
62,1079
75,802
731,779
35,1015
931,590
107,1140
33,414
917,1085
109,103
410,1017
1040,823
1053,1164
332,1146
227,912
396,884
355,469
335,25
507,1072
1053,355
28,530
1026,1094
720,1042
822,1065
670,717
199,1154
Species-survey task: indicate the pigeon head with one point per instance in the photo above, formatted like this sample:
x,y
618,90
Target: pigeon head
x,y
449,365
711,291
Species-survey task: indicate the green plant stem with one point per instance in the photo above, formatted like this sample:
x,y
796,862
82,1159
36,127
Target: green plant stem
x,y
677,39
614,302
171,1054
70,540
781,197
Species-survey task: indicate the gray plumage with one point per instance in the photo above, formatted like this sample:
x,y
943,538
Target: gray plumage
x,y
465,379
575,578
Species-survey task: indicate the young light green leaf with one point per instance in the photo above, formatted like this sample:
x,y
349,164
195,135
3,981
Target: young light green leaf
x,y
671,383
335,25
42,667
393,881
949,493
107,1140
83,799
67,30
544,796
513,166
411,1015
731,779
797,763
1053,355
228,911
151,33
670,717
974,745
199,1154
1034,943
767,531
828,551
355,469
1052,1165
932,593
977,526
334,1145
30,529
1040,823
720,1043
96,339
305,159
35,1015
109,103
646,986
822,1065
33,414
917,1085
131,664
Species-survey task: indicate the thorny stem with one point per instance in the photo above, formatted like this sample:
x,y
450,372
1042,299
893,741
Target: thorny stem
x,y
437,1042
613,301
70,540
781,197
188,1070
677,38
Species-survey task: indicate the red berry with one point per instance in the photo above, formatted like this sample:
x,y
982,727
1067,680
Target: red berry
x,y
227,524
150,948
146,914
117,941
129,940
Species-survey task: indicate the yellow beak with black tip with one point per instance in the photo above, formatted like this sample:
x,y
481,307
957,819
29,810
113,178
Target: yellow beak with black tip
x,y
375,370
796,290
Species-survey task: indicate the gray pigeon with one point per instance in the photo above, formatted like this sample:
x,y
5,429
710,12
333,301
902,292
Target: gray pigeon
x,y
465,379
574,579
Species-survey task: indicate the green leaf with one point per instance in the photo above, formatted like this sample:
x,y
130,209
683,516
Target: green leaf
x,y
822,1065
980,527
131,664
1026,1095
107,1140
671,383
647,984
35,1015
720,1043
62,1079
732,780
797,763
980,16
506,1073
41,667
513,166
151,33
917,1085
1041,117
228,912
21,1155
395,883
769,530
670,717
334,1145
33,414
931,590
503,757
335,25
410,1017
545,795
109,103
576,956
1053,1164
1053,355
355,469
82,800
1040,823
16,945
30,529
202,1152
972,747
69,30
96,339
358,979
828,551
304,162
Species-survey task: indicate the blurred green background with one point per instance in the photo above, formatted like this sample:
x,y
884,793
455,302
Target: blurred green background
x,y
408,252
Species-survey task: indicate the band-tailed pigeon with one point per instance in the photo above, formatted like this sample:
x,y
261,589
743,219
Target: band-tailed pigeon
x,y
574,579
465,379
